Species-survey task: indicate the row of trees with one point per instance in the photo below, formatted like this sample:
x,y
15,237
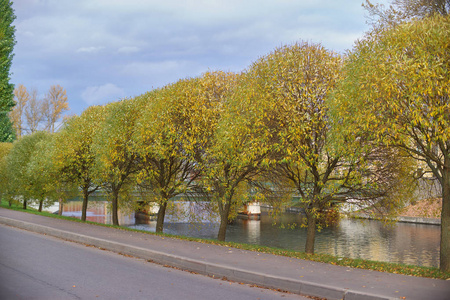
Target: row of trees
x,y
301,119
32,113
217,134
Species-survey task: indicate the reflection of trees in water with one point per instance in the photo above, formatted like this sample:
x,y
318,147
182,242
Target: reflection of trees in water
x,y
421,242
351,239
402,242
98,211
194,212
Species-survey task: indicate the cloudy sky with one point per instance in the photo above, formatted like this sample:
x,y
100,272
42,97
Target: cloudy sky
x,y
104,50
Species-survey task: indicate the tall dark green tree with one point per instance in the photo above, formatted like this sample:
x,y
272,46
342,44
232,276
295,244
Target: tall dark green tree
x,y
7,41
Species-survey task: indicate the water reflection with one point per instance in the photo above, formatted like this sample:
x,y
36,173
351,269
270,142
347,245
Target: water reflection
x,y
405,243
98,211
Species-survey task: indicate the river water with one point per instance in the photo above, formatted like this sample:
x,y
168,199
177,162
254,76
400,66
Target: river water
x,y
404,243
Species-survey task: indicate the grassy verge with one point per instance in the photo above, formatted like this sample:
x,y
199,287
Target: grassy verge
x,y
325,258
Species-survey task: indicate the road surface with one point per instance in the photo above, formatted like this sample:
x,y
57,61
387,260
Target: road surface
x,y
34,266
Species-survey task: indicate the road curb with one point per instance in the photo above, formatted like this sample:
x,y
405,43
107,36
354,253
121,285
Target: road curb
x,y
202,267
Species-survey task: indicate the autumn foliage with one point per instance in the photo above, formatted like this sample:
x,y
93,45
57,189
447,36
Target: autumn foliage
x,y
325,127
396,89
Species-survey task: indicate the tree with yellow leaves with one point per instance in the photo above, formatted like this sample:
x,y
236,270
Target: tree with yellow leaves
x,y
396,86
21,98
286,112
115,156
30,111
55,103
170,136
229,159
74,158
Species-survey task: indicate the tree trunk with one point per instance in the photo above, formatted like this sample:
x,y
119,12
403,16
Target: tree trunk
x,y
115,207
224,211
24,204
310,233
41,202
61,207
161,216
445,219
85,204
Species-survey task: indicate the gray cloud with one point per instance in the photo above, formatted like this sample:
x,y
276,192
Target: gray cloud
x,y
101,50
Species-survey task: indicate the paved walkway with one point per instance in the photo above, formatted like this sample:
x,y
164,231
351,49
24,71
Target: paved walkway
x,y
289,274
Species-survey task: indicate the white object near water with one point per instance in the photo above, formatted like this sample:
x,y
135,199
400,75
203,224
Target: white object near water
x,y
253,208
252,211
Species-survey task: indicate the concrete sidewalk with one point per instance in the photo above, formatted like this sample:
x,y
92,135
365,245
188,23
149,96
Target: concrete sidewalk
x,y
271,271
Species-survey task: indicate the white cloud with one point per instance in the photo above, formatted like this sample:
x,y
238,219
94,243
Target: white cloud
x,y
102,94
89,49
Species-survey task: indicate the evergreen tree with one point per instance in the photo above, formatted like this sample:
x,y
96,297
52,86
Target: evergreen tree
x,y
7,41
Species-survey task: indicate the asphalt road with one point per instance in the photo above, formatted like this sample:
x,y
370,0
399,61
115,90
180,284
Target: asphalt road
x,y
34,266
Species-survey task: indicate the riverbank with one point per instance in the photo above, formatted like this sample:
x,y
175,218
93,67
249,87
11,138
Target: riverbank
x,y
414,220
427,211
427,208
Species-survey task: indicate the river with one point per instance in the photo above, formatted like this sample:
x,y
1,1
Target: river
x,y
405,243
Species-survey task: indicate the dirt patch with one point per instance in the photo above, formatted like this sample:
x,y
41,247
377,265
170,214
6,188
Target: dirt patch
x,y
428,208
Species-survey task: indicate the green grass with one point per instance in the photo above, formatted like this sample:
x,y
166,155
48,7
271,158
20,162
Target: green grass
x,y
411,270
